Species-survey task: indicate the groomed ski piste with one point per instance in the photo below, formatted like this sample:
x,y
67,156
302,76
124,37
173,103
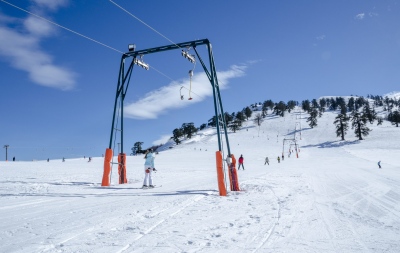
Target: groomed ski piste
x,y
332,198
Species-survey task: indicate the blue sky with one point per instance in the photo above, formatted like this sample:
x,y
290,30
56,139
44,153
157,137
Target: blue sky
x,y
58,88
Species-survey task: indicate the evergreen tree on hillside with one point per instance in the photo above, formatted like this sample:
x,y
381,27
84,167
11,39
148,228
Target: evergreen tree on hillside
x,y
240,116
228,118
248,112
359,102
342,125
212,122
305,105
343,108
290,105
370,114
380,121
351,104
322,104
314,103
359,123
235,125
394,118
202,126
280,109
312,120
137,147
270,104
333,105
340,102
177,134
188,129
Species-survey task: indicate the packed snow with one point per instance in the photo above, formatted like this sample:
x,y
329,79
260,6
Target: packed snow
x,y
331,198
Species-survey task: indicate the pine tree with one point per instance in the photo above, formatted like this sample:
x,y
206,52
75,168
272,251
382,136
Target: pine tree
x,y
228,118
177,134
359,123
305,105
394,118
290,105
351,105
370,114
137,147
235,125
341,122
248,112
240,116
313,118
188,129
212,122
280,109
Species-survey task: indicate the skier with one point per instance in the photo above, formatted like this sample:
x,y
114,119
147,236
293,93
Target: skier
x,y
283,157
266,160
148,168
279,159
241,159
379,164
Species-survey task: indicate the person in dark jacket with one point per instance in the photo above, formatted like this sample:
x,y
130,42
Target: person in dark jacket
x,y
241,160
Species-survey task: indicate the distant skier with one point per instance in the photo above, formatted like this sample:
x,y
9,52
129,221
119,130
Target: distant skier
x,y
283,157
241,160
14,159
63,159
266,160
279,159
148,168
48,160
379,164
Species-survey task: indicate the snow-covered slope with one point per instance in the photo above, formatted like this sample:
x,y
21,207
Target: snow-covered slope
x,y
332,198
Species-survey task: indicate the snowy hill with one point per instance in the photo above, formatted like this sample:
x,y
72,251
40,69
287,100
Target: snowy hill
x,y
332,198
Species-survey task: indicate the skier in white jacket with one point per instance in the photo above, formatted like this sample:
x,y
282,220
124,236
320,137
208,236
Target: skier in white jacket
x,y
148,168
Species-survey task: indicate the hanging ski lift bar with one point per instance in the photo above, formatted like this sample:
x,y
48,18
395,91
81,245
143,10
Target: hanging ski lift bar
x,y
188,56
142,64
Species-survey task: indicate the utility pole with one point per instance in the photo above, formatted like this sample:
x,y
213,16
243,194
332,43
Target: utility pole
x,y
6,147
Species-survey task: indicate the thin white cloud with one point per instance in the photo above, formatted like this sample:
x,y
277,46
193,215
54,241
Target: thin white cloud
x,y
166,98
21,48
360,16
162,140
51,4
373,14
320,37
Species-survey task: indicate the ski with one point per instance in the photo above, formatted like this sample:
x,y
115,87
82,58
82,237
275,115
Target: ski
x,y
148,187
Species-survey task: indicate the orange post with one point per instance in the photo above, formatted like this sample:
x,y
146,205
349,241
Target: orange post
x,y
107,167
122,168
235,182
220,174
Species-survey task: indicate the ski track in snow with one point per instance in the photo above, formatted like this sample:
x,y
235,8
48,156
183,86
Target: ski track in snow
x,y
333,198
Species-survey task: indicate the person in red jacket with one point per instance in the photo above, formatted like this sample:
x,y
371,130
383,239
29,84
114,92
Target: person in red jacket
x,y
241,159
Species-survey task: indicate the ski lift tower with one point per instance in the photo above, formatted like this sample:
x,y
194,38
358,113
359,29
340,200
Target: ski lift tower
x,y
124,77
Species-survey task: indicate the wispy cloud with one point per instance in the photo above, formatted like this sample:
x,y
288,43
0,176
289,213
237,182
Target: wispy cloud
x,y
373,14
167,98
162,140
20,44
320,37
360,16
